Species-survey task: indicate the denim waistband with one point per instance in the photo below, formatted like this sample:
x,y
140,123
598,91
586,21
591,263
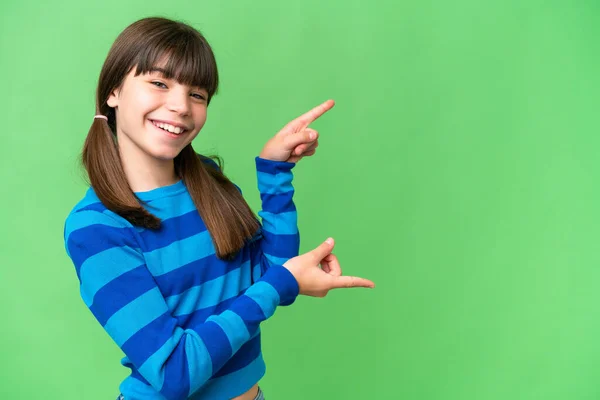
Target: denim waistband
x,y
259,396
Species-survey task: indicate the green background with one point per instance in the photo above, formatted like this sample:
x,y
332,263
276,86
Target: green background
x,y
458,170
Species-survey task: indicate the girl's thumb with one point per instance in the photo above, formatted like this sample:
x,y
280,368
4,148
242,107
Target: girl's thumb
x,y
325,248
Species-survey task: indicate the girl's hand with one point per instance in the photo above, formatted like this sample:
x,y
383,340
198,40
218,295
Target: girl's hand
x,y
296,139
317,282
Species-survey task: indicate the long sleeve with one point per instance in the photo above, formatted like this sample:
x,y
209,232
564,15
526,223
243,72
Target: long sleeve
x,y
122,294
280,236
278,239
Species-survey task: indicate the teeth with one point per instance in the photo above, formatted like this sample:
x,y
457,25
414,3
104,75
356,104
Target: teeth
x,y
170,128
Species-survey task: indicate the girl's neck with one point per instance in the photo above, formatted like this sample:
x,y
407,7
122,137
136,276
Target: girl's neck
x,y
143,178
145,172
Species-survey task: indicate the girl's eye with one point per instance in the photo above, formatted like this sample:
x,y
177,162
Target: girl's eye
x,y
161,85
157,84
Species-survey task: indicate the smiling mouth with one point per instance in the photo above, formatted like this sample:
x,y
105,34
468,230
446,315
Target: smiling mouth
x,y
173,130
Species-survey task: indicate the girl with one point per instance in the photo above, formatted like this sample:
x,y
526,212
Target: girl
x,y
170,258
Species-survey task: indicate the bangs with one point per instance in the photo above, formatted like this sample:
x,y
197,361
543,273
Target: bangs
x,y
183,55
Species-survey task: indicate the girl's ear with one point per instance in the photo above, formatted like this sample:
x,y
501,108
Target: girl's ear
x,y
113,99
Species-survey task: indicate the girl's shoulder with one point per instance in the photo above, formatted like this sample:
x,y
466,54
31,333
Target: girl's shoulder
x,y
91,211
211,161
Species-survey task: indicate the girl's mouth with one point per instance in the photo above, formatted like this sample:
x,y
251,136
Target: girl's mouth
x,y
170,130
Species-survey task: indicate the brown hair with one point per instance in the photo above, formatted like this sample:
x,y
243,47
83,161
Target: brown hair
x,y
191,61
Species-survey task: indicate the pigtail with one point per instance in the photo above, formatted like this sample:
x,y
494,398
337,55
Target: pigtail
x,y
100,157
226,214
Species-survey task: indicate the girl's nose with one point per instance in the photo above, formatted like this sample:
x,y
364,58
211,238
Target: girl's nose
x,y
179,102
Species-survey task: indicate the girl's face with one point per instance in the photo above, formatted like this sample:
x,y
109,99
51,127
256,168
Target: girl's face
x,y
156,117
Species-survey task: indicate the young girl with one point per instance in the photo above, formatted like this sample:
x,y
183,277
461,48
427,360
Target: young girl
x,y
170,258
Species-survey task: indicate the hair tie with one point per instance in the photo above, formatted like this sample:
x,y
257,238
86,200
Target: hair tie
x,y
101,116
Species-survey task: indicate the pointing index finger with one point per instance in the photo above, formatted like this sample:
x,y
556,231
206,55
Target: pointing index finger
x,y
351,281
306,119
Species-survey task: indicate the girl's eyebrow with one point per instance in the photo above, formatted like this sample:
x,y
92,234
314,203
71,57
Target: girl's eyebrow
x,y
159,70
163,72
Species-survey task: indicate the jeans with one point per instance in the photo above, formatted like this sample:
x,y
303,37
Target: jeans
x,y
259,396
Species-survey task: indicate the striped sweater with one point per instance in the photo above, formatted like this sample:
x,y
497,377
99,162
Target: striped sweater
x,y
187,322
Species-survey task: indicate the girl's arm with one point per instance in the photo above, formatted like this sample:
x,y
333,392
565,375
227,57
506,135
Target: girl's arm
x,y
122,294
279,237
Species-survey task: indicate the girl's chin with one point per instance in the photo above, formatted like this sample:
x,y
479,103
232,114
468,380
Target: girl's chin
x,y
165,154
